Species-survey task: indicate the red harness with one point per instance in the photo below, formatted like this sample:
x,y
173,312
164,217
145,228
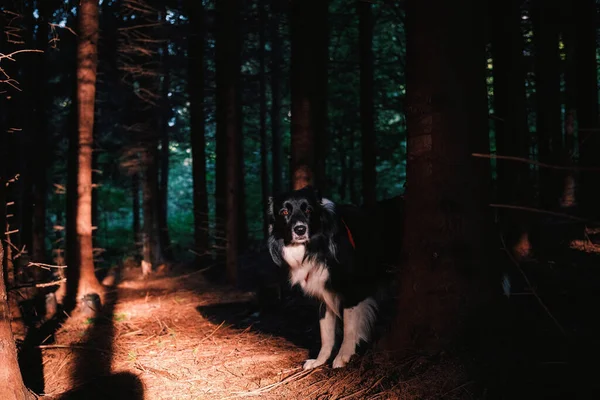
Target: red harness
x,y
349,234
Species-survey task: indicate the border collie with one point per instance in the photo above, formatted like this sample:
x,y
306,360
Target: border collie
x,y
331,254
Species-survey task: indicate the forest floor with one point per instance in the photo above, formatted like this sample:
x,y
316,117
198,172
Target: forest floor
x,y
178,336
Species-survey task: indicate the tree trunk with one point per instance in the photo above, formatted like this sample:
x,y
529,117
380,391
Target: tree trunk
x,y
152,252
165,115
196,93
547,72
276,65
135,196
264,170
308,85
367,117
587,104
512,133
12,387
40,167
441,279
228,48
87,60
568,191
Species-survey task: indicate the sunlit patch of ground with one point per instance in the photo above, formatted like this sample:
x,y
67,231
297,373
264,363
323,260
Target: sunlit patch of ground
x,y
158,337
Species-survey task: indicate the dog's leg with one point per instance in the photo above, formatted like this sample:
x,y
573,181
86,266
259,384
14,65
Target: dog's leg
x,y
327,327
358,321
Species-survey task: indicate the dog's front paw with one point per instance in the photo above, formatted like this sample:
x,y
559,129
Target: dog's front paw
x,y
341,360
313,363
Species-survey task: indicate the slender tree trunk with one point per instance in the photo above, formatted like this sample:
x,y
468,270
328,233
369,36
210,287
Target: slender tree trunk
x,y
196,93
135,196
568,193
308,67
264,169
165,115
228,47
40,167
547,73
587,104
87,60
367,115
276,65
152,251
441,279
512,133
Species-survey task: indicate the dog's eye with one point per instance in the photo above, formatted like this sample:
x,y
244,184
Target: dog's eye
x,y
284,211
308,210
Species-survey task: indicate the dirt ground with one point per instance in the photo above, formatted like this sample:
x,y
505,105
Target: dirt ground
x,y
179,337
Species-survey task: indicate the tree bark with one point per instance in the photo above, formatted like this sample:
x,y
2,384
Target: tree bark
x,y
196,93
276,65
12,387
367,114
135,197
309,41
152,252
264,169
441,280
40,167
587,104
512,133
228,48
165,115
87,60
547,72
568,191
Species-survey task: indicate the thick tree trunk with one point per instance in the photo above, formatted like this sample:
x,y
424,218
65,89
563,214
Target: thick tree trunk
x,y
165,115
547,72
440,283
587,104
512,133
228,47
367,114
12,387
87,60
264,169
308,83
276,65
196,93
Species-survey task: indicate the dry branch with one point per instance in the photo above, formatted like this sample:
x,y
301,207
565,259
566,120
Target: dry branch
x,y
533,162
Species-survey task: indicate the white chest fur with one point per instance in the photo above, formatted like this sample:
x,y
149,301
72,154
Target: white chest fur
x,y
311,276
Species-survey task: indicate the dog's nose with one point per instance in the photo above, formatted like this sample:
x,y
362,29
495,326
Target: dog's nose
x,y
300,230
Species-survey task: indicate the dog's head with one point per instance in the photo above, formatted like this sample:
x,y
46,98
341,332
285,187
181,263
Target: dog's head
x,y
297,216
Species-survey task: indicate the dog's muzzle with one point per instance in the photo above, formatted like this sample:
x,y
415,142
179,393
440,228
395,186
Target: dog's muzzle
x,y
300,233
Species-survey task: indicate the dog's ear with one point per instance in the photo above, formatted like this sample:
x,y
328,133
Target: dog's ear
x,y
328,218
275,247
270,211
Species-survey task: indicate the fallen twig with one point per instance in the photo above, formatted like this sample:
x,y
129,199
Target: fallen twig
x,y
539,211
533,162
70,347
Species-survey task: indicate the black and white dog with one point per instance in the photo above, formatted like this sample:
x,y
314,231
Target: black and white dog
x,y
332,254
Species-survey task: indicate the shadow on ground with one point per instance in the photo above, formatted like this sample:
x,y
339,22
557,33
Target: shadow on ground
x,y
92,377
295,319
